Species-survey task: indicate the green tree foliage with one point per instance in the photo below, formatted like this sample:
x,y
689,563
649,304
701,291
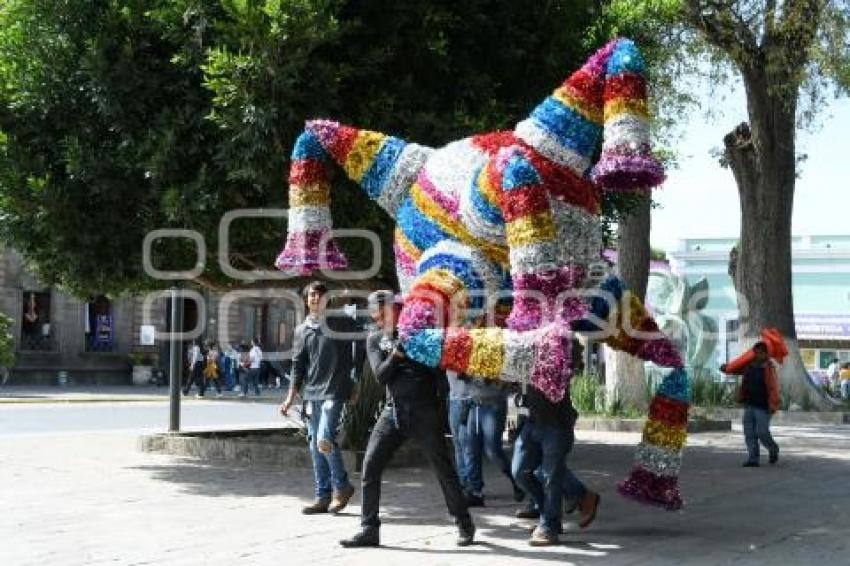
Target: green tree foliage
x,y
7,342
121,117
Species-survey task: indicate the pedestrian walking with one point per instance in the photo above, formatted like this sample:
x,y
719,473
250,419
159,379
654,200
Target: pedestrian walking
x,y
477,416
546,436
414,410
322,368
759,393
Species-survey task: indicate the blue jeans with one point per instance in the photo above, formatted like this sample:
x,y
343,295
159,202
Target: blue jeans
x,y
484,429
459,439
250,378
845,389
756,423
328,469
544,447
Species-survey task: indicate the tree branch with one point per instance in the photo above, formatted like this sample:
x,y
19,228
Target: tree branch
x,y
797,31
723,28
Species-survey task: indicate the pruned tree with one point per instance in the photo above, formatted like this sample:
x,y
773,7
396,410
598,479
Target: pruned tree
x,y
789,55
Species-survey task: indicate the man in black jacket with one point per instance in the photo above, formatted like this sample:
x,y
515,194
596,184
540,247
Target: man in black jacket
x,y
324,362
413,411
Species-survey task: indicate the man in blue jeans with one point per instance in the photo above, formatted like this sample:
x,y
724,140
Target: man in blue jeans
x,y
477,415
323,364
545,438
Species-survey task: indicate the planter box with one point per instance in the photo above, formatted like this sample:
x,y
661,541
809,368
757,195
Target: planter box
x,y
785,417
279,448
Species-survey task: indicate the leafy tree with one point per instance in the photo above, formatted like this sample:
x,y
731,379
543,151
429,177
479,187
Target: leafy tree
x,y
789,55
120,117
7,345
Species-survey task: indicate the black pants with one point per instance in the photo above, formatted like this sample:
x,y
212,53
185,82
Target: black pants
x,y
420,423
196,376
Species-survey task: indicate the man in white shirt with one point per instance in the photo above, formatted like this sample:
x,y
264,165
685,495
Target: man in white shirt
x,y
255,357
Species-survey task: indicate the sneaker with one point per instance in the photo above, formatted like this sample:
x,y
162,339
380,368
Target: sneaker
x,y
474,499
243,394
587,508
219,394
341,499
368,536
543,537
320,505
527,512
774,456
465,533
750,464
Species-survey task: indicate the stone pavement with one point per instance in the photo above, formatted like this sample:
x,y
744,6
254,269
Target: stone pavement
x,y
91,498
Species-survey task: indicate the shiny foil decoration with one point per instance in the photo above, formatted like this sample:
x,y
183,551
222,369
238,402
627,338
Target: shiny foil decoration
x,y
645,487
658,460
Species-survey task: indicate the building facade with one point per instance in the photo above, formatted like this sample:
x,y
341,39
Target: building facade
x,y
93,340
821,288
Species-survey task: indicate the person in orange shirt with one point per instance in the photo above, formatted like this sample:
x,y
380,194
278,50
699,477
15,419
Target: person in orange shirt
x,y
759,393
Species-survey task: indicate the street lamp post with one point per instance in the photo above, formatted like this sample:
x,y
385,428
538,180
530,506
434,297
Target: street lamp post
x,y
176,361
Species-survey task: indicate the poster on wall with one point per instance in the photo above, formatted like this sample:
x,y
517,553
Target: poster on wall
x,y
103,330
147,335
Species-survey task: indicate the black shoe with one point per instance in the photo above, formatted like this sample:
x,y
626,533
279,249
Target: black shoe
x,y
774,456
527,512
368,536
519,494
465,533
749,464
474,500
320,505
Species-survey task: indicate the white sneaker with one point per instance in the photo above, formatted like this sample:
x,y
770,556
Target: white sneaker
x,y
219,394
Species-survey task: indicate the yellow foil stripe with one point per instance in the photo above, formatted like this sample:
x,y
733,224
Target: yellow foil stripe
x,y
315,194
617,106
406,245
530,229
488,353
588,111
362,153
451,226
490,193
443,280
664,435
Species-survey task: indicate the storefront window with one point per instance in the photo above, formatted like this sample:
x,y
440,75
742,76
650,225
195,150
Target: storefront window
x,y
37,333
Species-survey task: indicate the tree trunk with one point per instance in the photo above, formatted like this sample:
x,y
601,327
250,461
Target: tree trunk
x,y
763,160
624,374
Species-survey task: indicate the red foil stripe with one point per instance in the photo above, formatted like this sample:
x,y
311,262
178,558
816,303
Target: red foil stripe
x,y
522,202
563,183
668,411
307,171
586,85
457,348
492,142
625,85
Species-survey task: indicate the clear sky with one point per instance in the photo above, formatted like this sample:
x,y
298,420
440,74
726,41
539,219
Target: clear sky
x,y
700,199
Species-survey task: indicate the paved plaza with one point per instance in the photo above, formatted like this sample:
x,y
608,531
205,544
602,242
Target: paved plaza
x,y
89,497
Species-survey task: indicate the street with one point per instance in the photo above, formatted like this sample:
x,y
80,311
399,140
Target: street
x,y
76,491
142,416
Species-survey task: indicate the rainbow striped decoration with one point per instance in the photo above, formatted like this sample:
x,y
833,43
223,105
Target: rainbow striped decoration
x,y
383,165
654,477
509,213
